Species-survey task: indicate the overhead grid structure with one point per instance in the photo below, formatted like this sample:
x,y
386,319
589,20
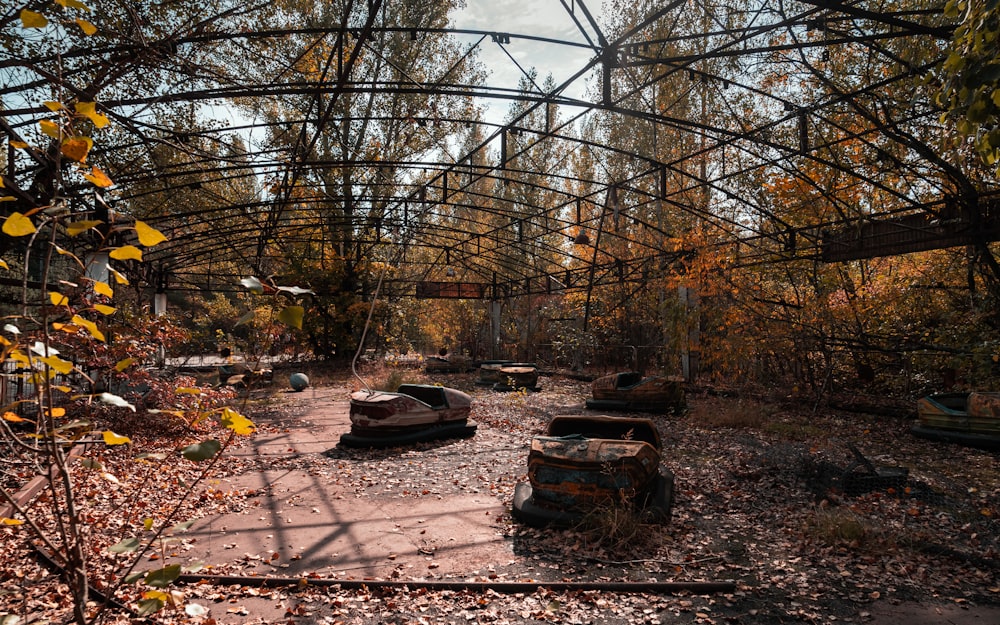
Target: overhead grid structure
x,y
789,129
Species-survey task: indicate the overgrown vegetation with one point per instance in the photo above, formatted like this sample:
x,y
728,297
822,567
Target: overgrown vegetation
x,y
678,227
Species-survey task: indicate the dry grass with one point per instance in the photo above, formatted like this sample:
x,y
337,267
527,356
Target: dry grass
x,y
620,529
716,412
838,526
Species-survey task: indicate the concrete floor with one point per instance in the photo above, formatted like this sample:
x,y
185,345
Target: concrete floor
x,y
311,519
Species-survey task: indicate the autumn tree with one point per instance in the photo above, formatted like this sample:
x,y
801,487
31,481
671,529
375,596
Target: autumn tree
x,y
343,188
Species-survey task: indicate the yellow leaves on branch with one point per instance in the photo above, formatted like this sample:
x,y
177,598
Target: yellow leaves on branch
x,y
292,316
79,227
237,422
126,252
64,367
87,28
77,148
102,288
119,277
89,326
17,225
50,129
14,418
89,110
98,178
33,19
148,236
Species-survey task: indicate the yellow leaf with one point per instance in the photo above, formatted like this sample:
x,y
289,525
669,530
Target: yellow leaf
x,y
292,316
50,129
13,418
3,264
53,106
31,19
90,326
126,252
122,365
62,389
237,422
17,225
87,28
98,178
148,236
119,276
102,288
58,299
77,148
89,110
188,390
105,310
58,364
63,252
57,412
6,521
110,438
8,198
20,145
77,227
73,4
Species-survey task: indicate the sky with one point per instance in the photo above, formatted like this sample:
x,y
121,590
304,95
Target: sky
x,y
541,18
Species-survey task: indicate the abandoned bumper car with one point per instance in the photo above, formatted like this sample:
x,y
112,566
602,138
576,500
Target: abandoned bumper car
x,y
584,465
971,419
414,413
631,392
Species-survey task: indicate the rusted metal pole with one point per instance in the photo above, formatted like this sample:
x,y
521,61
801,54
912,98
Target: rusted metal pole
x,y
647,587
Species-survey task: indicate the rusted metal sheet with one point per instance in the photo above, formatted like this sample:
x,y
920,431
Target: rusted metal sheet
x,y
452,290
910,233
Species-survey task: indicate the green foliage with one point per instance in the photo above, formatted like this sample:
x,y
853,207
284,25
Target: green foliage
x,y
969,78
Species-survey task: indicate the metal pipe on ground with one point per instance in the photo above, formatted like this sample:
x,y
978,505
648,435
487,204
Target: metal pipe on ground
x,y
648,587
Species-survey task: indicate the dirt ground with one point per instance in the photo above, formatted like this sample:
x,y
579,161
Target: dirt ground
x,y
765,499
753,506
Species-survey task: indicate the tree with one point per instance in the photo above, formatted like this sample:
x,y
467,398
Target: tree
x,y
344,189
968,81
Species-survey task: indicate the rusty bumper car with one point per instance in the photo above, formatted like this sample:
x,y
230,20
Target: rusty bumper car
x,y
446,364
631,392
489,371
584,464
517,376
414,413
971,419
